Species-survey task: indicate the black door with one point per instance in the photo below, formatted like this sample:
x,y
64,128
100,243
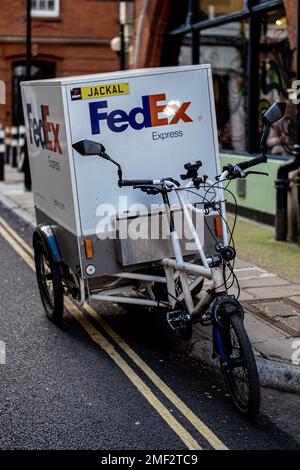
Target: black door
x,y
39,70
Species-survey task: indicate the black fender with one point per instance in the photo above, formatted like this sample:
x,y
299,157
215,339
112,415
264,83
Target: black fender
x,y
222,307
225,305
46,235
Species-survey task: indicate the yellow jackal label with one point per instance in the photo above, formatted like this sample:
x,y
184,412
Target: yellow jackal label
x,y
100,91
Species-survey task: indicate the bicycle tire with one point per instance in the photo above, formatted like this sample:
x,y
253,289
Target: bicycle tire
x,y
250,406
52,298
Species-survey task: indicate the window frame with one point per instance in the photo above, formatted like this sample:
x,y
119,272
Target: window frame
x,y
37,13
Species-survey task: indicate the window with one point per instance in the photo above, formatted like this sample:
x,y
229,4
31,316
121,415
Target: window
x,y
225,48
45,8
40,69
276,75
247,43
210,9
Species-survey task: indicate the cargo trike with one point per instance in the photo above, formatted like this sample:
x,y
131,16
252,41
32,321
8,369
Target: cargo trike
x,y
156,237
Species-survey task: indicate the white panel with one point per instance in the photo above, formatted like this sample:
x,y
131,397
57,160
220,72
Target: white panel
x,y
49,161
142,153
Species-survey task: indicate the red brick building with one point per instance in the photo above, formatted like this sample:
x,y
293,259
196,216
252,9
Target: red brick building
x,y
68,38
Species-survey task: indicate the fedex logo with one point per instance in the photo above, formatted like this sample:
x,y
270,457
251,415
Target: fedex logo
x,y
43,132
140,117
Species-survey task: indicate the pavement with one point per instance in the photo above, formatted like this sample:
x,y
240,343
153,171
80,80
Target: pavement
x,y
271,303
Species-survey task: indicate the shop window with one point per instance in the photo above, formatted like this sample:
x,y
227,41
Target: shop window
x,y
225,48
276,76
220,33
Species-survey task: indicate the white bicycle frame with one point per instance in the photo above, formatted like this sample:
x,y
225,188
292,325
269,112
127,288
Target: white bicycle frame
x,y
174,267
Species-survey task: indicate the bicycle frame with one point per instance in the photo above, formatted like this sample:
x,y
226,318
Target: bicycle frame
x,y
174,267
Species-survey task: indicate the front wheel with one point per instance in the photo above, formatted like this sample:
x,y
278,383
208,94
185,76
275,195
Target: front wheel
x,y
239,370
49,282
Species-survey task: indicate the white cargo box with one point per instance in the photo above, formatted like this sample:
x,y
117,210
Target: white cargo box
x,y
152,121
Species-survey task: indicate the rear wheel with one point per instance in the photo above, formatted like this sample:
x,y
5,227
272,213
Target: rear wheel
x,y
49,282
240,372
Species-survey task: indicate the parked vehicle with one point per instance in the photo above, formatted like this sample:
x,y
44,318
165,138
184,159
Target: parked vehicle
x,y
167,274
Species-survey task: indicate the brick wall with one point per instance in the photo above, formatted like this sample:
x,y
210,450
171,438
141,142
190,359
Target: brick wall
x,y
78,41
151,19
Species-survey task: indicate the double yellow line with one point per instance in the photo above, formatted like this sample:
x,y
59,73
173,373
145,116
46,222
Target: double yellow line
x,y
26,253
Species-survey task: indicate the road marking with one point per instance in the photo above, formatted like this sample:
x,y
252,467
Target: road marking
x,y
198,424
16,236
109,348
24,255
159,383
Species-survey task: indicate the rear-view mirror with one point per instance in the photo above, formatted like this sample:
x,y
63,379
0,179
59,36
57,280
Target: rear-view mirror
x,y
274,113
88,147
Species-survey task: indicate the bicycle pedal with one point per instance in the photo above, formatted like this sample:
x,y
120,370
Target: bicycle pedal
x,y
176,319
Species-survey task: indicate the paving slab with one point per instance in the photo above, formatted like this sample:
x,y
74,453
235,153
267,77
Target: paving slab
x,y
266,281
292,321
243,294
259,331
277,308
283,349
240,263
296,299
250,271
275,292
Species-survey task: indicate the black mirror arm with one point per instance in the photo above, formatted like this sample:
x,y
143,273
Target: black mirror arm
x,y
105,156
120,173
264,141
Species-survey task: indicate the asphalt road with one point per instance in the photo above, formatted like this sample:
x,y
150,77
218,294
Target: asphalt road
x,y
76,387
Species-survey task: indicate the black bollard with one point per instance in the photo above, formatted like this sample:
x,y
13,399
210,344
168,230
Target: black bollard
x,y
281,219
298,207
26,169
21,143
2,154
14,146
7,144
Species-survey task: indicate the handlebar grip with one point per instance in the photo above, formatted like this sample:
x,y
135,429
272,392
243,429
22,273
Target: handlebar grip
x,y
252,162
136,182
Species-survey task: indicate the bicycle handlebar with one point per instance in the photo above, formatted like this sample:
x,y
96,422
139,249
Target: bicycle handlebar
x,y
233,170
252,162
135,182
